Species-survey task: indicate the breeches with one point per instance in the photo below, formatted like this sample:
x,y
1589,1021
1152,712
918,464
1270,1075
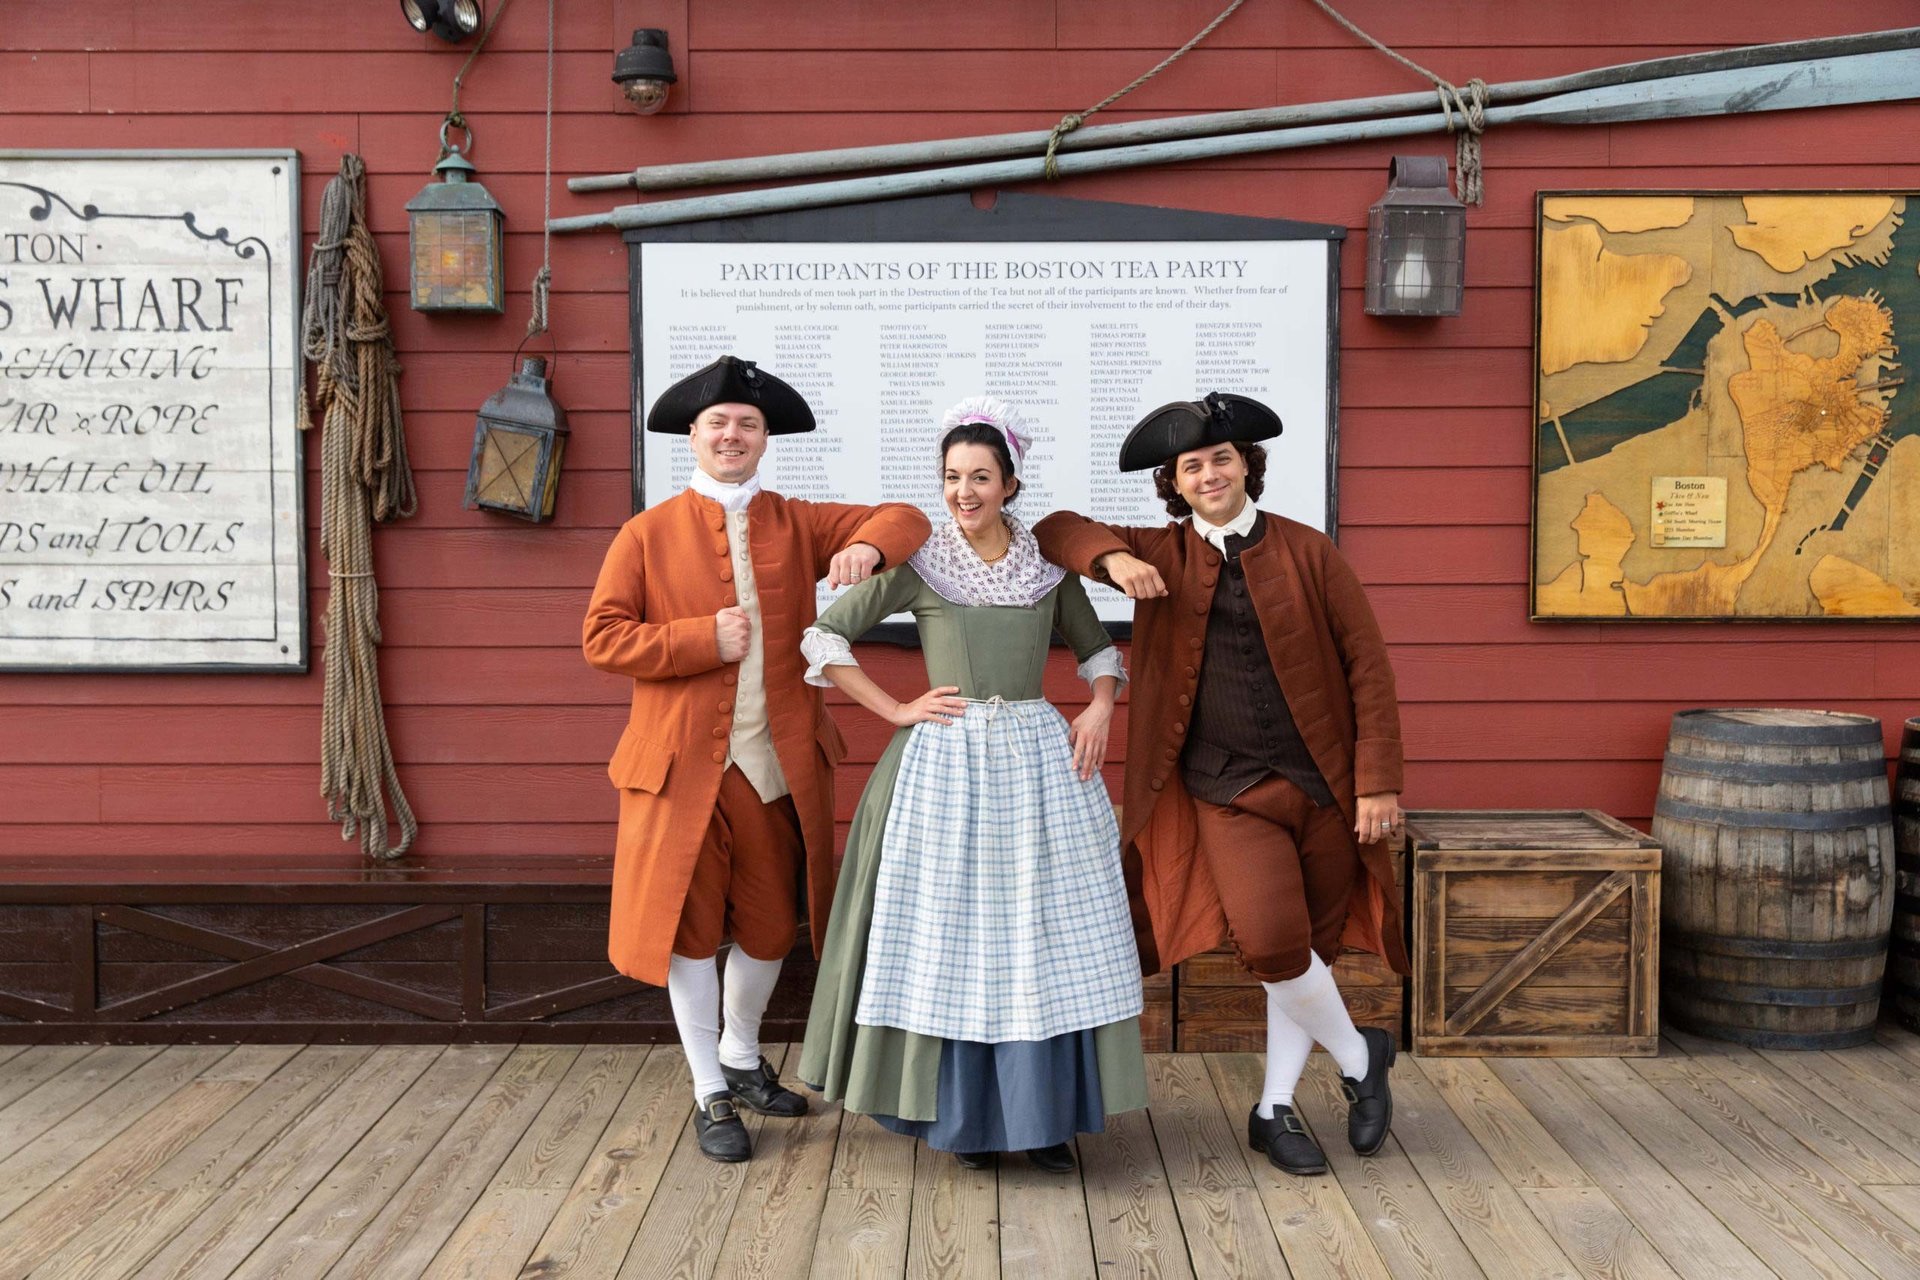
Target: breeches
x,y
1284,868
745,882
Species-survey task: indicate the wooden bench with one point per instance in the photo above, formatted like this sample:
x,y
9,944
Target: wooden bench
x,y
296,949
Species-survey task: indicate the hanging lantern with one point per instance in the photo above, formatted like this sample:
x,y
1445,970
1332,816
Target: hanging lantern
x,y
1416,242
454,234
517,444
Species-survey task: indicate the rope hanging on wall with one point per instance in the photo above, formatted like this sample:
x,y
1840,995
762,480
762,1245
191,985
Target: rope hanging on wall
x,y
1074,119
364,477
1471,106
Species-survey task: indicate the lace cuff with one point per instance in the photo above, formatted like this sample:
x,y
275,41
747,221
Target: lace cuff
x,y
1107,662
824,649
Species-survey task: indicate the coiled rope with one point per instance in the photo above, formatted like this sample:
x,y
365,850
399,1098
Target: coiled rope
x,y
364,477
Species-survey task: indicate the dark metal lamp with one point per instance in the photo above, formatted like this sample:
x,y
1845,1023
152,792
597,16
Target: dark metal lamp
x,y
1416,242
451,20
455,241
644,70
518,442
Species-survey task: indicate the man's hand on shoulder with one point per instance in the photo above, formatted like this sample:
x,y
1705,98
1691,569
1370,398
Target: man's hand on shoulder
x,y
854,565
734,632
1129,573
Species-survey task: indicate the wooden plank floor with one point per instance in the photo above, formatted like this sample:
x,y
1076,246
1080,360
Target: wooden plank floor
x,y
199,1161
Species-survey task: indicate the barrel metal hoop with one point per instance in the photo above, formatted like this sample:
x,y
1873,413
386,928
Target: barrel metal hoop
x,y
1744,993
1756,772
1672,937
1773,1039
1831,820
1843,730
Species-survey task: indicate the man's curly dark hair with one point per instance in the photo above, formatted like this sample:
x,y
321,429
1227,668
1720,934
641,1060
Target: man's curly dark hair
x,y
1255,457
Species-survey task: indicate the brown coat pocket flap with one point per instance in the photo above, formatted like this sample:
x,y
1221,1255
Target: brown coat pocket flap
x,y
639,764
827,733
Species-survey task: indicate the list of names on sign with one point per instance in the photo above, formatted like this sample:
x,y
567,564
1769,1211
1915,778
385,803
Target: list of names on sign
x,y
149,452
1082,338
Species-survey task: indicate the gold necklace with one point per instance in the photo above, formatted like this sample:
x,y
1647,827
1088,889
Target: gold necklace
x,y
996,559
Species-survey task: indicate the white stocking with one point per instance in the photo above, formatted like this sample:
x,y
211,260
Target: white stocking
x,y
693,988
1313,1001
749,988
1288,1046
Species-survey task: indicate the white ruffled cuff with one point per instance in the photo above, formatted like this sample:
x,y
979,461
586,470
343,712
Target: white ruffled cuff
x,y
1107,662
823,649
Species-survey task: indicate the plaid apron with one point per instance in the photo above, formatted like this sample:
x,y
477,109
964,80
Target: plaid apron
x,y
1000,912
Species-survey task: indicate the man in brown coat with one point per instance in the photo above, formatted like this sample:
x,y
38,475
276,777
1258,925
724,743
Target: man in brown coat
x,y
1264,760
725,770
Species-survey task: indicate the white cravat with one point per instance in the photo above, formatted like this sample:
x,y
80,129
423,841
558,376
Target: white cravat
x,y
731,497
1241,525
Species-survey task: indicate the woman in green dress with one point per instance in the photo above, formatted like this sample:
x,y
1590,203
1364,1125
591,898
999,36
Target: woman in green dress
x,y
979,986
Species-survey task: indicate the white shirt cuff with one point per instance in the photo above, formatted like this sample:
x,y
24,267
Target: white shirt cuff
x,y
1107,662
823,649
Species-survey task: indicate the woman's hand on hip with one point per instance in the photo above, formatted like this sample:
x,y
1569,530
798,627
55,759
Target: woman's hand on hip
x,y
935,706
1088,734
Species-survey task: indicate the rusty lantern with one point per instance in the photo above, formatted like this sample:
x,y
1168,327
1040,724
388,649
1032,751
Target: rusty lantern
x,y
517,446
455,240
1416,242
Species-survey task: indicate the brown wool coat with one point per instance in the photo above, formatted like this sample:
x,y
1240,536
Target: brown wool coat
x,y
1332,666
652,618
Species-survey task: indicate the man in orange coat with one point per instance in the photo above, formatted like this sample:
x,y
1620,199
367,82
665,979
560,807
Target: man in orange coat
x,y
1265,743
725,770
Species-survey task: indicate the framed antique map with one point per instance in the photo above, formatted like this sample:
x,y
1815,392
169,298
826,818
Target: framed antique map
x,y
1723,427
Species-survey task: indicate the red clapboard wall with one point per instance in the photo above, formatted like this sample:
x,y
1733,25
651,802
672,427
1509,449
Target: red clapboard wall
x,y
500,728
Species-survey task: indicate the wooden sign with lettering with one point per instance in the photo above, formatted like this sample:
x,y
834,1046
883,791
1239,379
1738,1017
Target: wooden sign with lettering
x,y
150,495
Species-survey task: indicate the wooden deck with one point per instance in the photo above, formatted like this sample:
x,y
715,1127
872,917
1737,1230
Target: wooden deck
x,y
550,1160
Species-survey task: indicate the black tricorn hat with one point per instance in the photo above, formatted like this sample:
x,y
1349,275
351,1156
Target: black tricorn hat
x,y
730,381
1174,429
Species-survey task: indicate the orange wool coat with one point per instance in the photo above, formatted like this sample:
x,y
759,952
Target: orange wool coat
x,y
652,618
1332,666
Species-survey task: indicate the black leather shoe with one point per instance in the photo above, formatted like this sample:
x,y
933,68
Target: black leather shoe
x,y
1056,1159
1370,1102
975,1159
722,1137
758,1089
1286,1142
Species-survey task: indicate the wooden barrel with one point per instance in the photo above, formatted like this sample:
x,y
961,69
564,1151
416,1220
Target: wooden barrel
x,y
1903,957
1777,881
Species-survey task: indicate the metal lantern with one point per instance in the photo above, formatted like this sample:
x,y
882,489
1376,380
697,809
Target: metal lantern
x,y
454,234
644,70
517,445
1416,242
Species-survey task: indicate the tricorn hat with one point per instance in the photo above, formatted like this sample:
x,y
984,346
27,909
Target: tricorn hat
x,y
1174,429
730,381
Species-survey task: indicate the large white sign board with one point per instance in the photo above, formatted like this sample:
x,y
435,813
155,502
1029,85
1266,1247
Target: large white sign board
x,y
1084,338
150,495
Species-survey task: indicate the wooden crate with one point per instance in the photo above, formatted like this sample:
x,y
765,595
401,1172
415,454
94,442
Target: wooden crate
x,y
1220,1007
1534,932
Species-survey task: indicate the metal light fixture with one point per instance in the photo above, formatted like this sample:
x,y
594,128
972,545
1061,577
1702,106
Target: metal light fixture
x,y
1416,242
644,70
455,240
451,20
517,446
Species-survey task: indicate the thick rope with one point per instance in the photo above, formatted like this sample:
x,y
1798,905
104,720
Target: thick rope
x,y
1471,107
1073,120
364,477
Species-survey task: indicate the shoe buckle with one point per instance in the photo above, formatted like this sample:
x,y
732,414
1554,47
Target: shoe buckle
x,y
720,1109
1291,1123
1347,1089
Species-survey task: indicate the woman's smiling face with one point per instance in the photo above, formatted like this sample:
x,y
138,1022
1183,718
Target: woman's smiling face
x,y
974,487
